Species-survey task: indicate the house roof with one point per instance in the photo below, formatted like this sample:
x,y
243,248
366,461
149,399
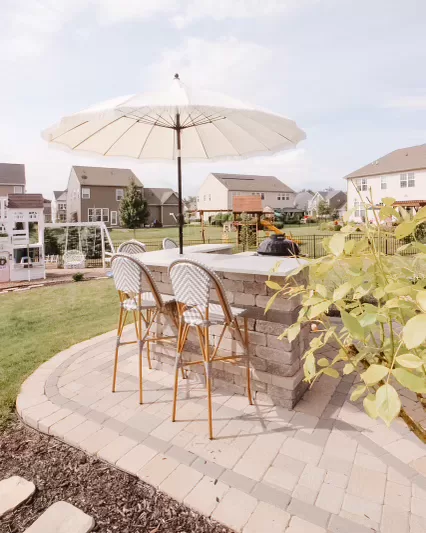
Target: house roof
x,y
248,182
25,201
411,158
302,199
12,174
328,194
103,176
58,194
158,195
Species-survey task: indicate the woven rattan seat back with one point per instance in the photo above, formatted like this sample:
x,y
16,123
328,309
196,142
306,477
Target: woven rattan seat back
x,y
132,247
132,277
168,244
192,282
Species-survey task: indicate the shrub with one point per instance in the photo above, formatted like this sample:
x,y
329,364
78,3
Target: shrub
x,y
382,302
279,225
78,276
336,227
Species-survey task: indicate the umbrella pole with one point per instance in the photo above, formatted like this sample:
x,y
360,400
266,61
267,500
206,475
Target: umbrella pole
x,y
179,169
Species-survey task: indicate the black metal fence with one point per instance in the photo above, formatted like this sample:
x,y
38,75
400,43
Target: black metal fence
x,y
310,246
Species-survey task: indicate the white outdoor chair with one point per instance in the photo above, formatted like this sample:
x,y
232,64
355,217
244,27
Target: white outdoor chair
x,y
74,259
138,294
192,282
168,244
131,247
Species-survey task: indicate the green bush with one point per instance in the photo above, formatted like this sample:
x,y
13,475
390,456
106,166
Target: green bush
x,y
78,276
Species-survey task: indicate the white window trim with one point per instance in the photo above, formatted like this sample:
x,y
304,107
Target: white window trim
x,y
94,209
116,218
383,183
411,177
84,193
121,191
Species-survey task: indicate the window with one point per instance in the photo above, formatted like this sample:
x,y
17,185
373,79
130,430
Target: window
x,y
407,180
85,193
205,197
359,209
62,206
361,184
98,214
113,218
411,179
17,189
62,217
210,197
283,196
383,183
32,215
119,193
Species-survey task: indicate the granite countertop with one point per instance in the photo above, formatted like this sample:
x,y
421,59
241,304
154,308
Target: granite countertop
x,y
243,264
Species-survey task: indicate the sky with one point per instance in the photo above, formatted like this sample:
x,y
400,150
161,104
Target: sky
x,y
350,73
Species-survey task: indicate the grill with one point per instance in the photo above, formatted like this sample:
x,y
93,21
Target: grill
x,y
278,245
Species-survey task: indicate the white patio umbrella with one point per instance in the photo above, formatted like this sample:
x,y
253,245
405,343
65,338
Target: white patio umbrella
x,y
176,124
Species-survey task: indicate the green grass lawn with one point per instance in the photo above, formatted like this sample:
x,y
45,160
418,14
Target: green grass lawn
x,y
193,233
38,324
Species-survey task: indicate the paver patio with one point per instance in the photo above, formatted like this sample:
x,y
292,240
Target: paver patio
x,y
325,466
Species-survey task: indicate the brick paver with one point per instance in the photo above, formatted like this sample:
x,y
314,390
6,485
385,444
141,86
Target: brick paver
x,y
14,491
325,467
64,518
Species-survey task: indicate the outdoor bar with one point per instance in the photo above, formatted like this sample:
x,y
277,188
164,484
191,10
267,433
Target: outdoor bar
x,y
277,373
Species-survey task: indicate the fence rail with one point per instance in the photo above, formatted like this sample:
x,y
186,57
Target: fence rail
x,y
310,246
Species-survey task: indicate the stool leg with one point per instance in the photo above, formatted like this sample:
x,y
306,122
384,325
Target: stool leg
x,y
181,339
140,344
246,349
119,332
208,370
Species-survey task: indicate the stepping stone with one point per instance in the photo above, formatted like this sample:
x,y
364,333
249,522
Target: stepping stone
x,y
62,517
13,491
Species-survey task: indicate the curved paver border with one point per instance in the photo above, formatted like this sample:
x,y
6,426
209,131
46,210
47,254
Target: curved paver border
x,y
41,405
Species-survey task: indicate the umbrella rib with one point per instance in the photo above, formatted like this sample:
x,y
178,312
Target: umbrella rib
x,y
249,134
201,141
120,136
73,128
272,129
97,131
145,141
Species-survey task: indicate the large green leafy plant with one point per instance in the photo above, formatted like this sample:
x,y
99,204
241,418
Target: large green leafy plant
x,y
381,300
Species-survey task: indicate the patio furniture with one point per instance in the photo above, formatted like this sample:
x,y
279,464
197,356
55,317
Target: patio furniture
x,y
192,282
131,247
138,293
168,244
74,259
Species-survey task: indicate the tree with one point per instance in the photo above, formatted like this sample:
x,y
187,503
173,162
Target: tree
x,y
133,208
324,210
190,201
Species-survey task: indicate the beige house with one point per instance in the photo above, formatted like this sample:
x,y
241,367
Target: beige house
x,y
219,190
59,206
12,179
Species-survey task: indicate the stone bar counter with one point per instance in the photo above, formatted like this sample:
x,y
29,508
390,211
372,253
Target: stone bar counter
x,y
276,364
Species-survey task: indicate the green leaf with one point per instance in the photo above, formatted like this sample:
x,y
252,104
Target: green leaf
x,y
309,367
414,332
388,404
323,362
387,211
329,334
421,299
293,331
332,372
342,291
409,360
405,229
348,369
374,374
317,309
370,406
421,214
358,392
320,289
388,201
378,293
409,380
336,244
273,285
271,302
349,246
352,325
421,247
367,319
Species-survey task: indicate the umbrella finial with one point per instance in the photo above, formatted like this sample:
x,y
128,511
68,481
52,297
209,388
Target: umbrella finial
x,y
177,77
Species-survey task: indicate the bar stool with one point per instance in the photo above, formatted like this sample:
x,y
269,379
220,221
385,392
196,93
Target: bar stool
x,y
131,247
138,292
169,244
192,282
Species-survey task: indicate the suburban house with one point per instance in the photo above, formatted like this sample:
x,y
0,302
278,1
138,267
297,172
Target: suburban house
x,y
302,200
47,210
94,193
218,191
400,174
59,206
163,205
12,179
336,200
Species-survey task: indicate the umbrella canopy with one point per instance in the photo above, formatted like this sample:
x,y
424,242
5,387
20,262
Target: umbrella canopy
x,y
175,124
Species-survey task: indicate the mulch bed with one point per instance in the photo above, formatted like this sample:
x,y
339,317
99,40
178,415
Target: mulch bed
x,y
117,501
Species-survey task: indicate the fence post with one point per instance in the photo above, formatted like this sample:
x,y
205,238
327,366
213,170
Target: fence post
x,y
315,247
386,246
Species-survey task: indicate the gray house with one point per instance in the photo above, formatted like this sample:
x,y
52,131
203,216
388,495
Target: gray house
x,y
163,205
12,179
335,199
